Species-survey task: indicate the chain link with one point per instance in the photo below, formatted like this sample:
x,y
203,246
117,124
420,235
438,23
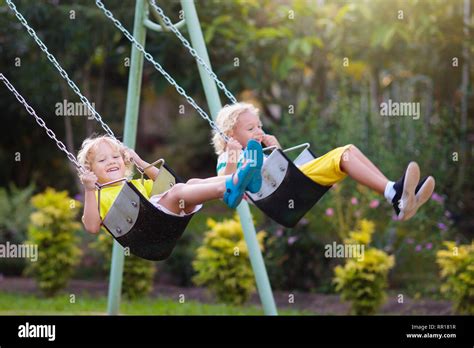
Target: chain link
x,y
71,84
140,47
158,67
62,72
193,52
42,124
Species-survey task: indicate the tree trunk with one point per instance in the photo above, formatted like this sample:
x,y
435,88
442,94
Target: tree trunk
x,y
70,138
86,91
365,113
374,87
464,100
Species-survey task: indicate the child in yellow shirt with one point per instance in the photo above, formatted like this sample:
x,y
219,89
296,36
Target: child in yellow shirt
x,y
106,159
241,122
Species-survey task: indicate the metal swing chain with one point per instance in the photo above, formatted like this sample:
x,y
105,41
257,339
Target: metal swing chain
x,y
192,51
158,67
65,76
62,72
41,122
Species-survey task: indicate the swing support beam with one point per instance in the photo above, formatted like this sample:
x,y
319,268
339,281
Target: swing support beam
x,y
141,22
129,139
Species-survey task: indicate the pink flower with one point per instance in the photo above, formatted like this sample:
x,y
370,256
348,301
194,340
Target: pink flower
x,y
394,217
303,222
442,226
354,201
279,232
437,198
374,203
410,240
418,247
429,246
329,211
292,239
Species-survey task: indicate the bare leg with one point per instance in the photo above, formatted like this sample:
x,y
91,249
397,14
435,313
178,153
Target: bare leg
x,y
363,173
206,180
366,161
187,196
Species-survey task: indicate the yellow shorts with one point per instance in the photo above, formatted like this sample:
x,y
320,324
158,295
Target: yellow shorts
x,y
326,170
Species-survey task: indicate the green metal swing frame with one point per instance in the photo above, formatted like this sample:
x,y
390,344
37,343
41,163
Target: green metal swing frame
x,y
141,24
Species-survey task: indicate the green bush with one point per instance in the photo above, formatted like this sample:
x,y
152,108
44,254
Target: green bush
x,y
222,262
457,268
137,277
178,269
15,209
414,242
295,257
362,281
52,229
137,273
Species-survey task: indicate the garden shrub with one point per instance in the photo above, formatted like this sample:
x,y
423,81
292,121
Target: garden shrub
x,y
457,269
222,262
178,269
138,273
414,242
137,277
52,229
15,209
363,281
295,257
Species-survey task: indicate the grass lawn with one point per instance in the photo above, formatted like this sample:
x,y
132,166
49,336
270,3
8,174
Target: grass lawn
x,y
21,304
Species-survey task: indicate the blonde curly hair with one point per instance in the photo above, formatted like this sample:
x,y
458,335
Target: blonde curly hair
x,y
226,120
89,146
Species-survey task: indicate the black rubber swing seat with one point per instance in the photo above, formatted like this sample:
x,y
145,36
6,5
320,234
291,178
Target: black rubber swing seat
x,y
135,223
287,194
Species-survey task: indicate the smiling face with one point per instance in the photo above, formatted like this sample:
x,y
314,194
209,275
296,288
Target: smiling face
x,y
107,163
248,127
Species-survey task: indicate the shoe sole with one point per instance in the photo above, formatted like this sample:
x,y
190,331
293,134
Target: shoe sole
x,y
408,200
252,146
255,167
423,195
233,203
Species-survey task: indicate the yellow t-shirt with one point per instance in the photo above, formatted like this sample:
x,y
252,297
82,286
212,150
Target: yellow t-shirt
x,y
110,193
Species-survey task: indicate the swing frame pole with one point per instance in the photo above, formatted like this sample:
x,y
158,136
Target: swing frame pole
x,y
141,23
214,103
129,139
